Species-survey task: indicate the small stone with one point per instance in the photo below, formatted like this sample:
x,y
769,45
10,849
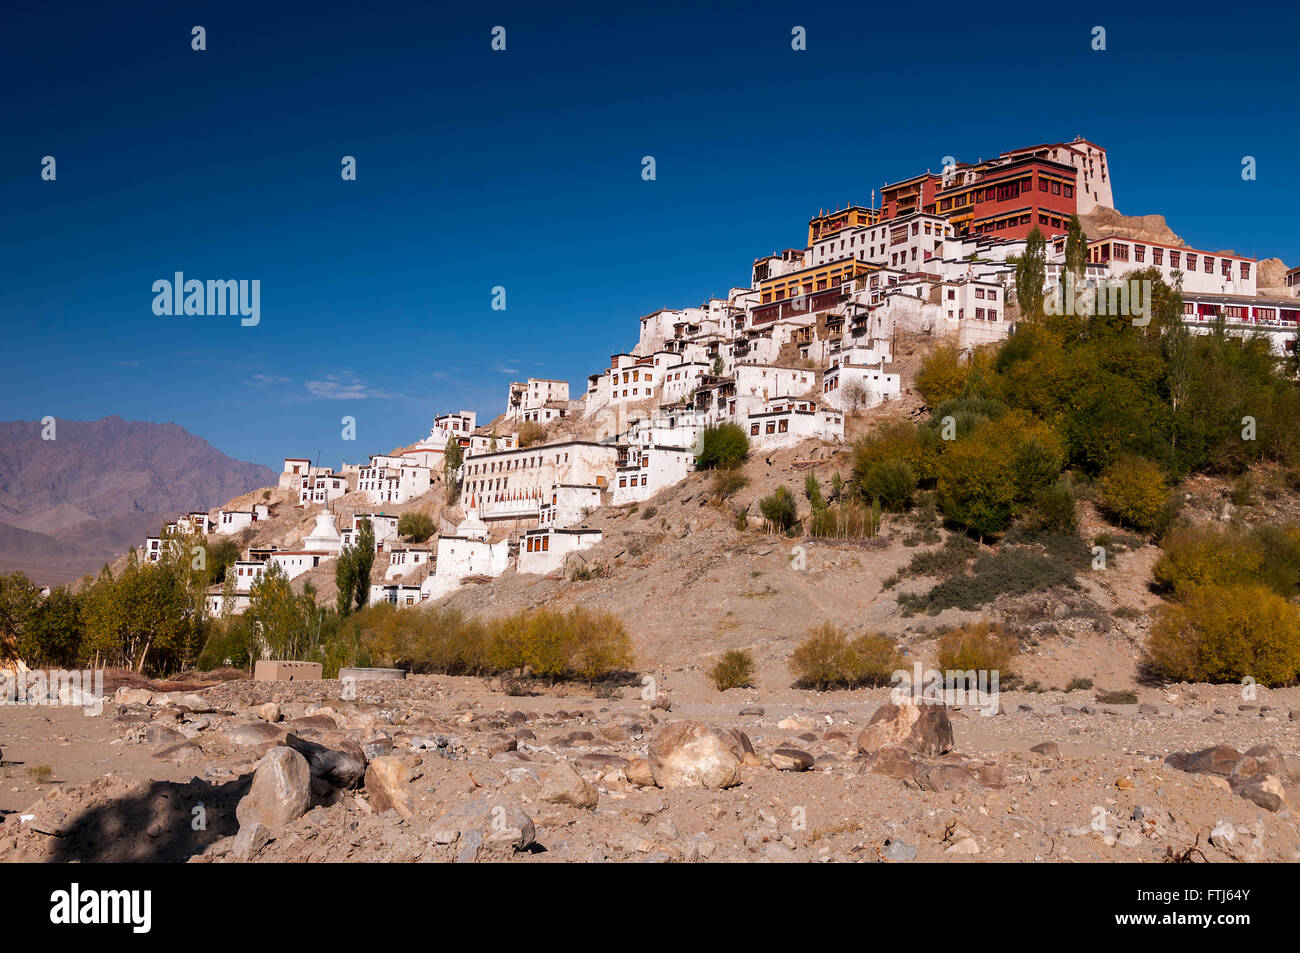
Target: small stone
x,y
791,759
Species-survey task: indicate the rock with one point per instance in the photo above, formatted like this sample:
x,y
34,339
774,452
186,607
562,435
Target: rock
x,y
386,780
924,729
563,785
256,733
756,710
195,703
1266,792
331,769
895,851
180,753
377,747
893,762
1218,760
638,772
270,712
280,792
791,759
496,817
134,696
662,703
966,846
1125,784
1049,749
692,754
796,723
318,721
162,735
250,839
445,836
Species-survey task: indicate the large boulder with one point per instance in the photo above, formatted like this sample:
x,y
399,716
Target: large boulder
x,y
255,733
693,754
280,792
386,783
924,729
563,785
494,821
332,770
1220,760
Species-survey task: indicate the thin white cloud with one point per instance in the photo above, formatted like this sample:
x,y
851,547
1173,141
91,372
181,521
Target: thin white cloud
x,y
265,380
345,387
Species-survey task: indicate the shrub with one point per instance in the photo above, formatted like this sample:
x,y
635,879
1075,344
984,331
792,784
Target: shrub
x,y
722,445
828,658
734,670
1117,698
1224,634
531,432
919,448
742,518
1055,509
942,375
415,525
847,519
779,509
1133,492
1009,571
727,482
1207,555
980,646
1078,684
891,481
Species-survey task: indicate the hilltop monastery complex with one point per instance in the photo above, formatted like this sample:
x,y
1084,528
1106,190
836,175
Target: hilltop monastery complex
x,y
809,339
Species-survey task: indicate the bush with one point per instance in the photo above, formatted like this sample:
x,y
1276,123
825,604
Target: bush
x,y
829,659
1133,492
891,481
1055,509
415,525
779,509
942,375
722,445
1224,634
727,482
530,432
900,439
734,670
982,646
1207,555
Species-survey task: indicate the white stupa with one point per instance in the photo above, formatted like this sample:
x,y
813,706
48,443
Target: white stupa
x,y
324,537
471,527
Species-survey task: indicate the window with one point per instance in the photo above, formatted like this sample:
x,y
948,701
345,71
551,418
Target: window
x,y
1069,191
771,426
1157,256
1191,262
753,430
1042,185
1174,258
1139,252
993,315
785,426
1227,268
1245,271
1209,265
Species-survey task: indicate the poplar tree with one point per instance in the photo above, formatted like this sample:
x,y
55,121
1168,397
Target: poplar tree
x,y
1031,273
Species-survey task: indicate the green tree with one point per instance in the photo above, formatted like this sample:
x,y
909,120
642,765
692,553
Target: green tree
x,y
1031,273
415,525
1133,491
19,599
722,445
779,509
345,579
52,639
1076,248
452,459
364,560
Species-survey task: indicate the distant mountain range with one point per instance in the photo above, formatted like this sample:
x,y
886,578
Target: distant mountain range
x,y
71,504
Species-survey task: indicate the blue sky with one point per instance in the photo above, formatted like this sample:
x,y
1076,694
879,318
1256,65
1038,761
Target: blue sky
x,y
522,169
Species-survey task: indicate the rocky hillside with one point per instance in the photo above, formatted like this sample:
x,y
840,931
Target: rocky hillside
x,y
70,504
